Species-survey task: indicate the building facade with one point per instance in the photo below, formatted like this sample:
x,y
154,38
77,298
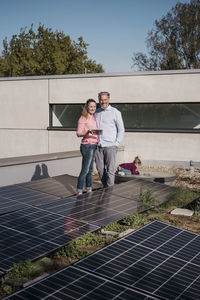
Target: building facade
x,y
161,112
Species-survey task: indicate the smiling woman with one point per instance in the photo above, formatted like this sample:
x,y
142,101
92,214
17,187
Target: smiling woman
x,y
86,129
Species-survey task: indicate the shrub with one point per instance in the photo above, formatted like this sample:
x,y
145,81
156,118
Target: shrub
x,y
78,247
22,270
115,226
134,220
147,197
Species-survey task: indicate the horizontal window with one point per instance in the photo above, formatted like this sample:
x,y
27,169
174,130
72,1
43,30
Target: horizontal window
x,y
136,116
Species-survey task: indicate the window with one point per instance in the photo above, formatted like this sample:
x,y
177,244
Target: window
x,y
65,115
173,116
137,116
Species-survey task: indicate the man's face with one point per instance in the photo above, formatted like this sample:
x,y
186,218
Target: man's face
x,y
104,101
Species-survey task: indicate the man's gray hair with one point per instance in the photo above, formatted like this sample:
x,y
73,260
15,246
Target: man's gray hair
x,y
103,93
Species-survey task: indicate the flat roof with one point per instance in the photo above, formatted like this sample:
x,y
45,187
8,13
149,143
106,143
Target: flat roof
x,y
94,75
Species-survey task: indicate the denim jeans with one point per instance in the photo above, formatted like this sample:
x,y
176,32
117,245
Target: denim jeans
x,y
88,153
126,172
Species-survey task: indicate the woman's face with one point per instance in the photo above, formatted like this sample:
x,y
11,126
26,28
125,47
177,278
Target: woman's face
x,y
91,108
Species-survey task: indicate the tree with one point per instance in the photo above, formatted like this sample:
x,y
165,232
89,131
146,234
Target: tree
x,y
174,41
45,52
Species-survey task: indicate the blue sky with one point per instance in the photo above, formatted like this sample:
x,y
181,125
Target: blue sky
x,y
114,29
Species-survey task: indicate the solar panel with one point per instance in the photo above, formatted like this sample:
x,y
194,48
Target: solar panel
x,y
25,195
73,283
133,188
159,259
8,205
32,233
111,204
98,208
61,186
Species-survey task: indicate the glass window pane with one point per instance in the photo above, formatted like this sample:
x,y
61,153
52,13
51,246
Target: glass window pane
x,y
66,115
155,116
160,115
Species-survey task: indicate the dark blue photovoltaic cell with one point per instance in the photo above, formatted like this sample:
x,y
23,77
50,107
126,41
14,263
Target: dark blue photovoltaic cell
x,y
191,292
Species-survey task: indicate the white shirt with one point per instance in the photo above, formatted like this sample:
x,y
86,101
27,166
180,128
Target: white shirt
x,y
110,121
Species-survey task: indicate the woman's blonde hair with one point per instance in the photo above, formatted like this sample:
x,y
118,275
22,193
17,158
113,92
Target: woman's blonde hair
x,y
85,108
137,160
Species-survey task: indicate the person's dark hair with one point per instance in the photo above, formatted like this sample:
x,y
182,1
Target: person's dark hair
x,y
85,108
103,93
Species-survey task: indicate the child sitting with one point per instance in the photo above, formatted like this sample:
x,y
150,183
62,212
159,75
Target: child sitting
x,y
130,168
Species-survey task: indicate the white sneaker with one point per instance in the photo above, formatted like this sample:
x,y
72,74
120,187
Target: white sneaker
x,y
121,173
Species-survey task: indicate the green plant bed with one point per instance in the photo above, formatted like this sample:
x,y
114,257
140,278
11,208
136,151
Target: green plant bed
x,y
84,246
116,227
134,220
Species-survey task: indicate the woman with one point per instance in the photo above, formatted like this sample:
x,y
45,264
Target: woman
x,y
87,129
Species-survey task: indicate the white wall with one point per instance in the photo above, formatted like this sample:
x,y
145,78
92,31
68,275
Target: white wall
x,y
162,146
24,117
24,113
158,87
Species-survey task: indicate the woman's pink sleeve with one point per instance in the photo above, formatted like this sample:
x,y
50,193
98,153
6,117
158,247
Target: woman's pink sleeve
x,y
80,128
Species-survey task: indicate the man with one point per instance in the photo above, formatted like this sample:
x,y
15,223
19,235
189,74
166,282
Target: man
x,y
109,120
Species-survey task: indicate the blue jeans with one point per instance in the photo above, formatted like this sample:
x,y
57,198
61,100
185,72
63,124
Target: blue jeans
x,y
126,172
88,153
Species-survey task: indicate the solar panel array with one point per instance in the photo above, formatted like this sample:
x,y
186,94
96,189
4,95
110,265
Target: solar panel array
x,y
158,261
31,233
61,186
38,218
74,283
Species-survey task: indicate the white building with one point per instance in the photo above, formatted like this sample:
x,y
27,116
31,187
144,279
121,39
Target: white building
x,y
161,112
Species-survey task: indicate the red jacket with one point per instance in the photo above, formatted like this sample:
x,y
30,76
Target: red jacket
x,y
130,166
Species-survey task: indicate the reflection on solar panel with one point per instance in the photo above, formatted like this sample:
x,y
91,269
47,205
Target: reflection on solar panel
x,y
132,189
159,259
108,205
61,186
32,233
96,208
73,283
